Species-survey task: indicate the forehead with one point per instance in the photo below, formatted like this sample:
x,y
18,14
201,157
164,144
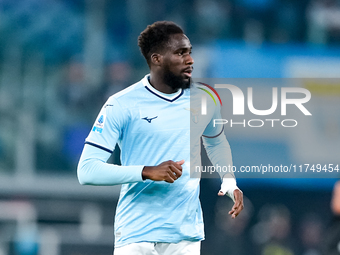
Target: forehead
x,y
179,41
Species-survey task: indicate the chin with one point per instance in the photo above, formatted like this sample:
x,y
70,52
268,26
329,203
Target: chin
x,y
177,81
187,83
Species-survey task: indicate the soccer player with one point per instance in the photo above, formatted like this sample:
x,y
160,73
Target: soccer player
x,y
159,211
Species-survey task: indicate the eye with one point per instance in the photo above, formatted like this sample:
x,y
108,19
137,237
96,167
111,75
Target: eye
x,y
183,52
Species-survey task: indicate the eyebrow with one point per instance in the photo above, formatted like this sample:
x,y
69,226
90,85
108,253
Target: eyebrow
x,y
183,48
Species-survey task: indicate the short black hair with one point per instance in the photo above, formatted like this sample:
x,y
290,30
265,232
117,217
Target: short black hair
x,y
155,37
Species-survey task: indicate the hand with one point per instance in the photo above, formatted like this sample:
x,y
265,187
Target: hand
x,y
168,171
238,204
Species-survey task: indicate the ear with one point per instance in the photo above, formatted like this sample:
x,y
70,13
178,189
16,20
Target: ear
x,y
156,59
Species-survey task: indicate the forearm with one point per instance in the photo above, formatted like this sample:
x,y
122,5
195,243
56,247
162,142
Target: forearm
x,y
219,153
93,169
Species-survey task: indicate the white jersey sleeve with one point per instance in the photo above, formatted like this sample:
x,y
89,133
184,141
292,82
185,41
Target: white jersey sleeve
x,y
219,153
105,133
216,143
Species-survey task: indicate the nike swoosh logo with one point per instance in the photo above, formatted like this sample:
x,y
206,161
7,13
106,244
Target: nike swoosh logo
x,y
149,119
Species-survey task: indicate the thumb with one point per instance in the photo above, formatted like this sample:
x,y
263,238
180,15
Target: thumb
x,y
220,193
181,162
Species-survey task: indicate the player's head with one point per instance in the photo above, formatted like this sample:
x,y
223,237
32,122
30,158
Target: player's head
x,y
167,51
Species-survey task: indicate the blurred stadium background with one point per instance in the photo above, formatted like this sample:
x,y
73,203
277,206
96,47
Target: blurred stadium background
x,y
61,59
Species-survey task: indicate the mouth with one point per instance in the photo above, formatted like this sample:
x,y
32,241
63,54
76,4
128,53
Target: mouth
x,y
187,72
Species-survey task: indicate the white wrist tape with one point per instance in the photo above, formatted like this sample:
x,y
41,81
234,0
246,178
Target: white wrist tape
x,y
228,186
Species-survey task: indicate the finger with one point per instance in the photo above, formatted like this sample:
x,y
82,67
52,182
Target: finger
x,y
176,171
169,179
172,175
180,162
236,213
177,166
220,193
233,209
233,214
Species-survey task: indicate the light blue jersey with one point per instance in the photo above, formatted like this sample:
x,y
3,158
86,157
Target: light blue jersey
x,y
151,127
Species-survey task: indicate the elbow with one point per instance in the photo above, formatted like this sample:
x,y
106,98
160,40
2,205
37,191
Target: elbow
x,y
83,177
82,181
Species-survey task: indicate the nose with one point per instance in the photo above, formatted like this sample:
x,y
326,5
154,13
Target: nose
x,y
189,60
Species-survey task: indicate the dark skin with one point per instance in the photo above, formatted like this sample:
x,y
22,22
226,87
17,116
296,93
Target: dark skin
x,y
238,205
177,59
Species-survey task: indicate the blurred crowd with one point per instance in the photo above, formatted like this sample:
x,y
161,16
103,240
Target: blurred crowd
x,y
267,231
82,51
274,221
59,28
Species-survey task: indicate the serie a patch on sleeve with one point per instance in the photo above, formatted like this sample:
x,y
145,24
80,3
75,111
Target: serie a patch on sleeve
x,y
99,124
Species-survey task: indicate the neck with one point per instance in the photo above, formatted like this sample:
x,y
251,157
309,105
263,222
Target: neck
x,y
157,82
